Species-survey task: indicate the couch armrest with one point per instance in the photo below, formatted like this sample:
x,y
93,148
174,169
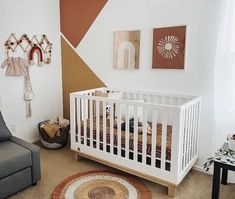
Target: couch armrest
x,y
35,154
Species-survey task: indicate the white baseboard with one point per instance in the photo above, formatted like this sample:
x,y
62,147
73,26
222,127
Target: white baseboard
x,y
35,140
201,169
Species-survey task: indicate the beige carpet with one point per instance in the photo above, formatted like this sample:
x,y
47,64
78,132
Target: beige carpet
x,y
59,164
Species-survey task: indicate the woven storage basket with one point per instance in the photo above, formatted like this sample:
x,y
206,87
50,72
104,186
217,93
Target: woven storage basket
x,y
55,142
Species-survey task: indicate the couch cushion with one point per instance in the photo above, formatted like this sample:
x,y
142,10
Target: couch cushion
x,y
5,134
13,158
15,182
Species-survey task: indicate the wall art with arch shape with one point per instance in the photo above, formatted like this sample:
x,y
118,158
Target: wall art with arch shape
x,y
169,47
126,49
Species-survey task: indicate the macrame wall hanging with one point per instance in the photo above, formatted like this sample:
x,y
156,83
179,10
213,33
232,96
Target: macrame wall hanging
x,y
19,66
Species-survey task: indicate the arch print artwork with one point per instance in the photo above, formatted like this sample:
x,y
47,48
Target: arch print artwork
x,y
169,47
126,49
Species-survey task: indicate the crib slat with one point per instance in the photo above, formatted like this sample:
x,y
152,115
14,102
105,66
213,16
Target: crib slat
x,y
164,133
111,127
155,99
196,128
198,124
184,140
154,137
119,129
176,142
186,137
97,124
124,95
127,135
173,101
145,97
85,121
104,127
144,144
91,123
72,117
79,119
148,99
163,100
191,133
135,134
138,96
193,129
178,101
167,99
134,96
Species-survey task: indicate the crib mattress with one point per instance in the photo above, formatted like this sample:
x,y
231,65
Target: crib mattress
x,y
131,137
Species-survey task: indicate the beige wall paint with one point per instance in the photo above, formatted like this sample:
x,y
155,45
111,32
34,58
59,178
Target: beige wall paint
x,y
76,75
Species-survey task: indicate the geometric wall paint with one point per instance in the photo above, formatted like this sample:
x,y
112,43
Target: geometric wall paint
x,y
76,75
126,49
169,47
77,16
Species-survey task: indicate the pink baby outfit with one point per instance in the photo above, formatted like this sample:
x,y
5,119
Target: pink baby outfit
x,y
16,66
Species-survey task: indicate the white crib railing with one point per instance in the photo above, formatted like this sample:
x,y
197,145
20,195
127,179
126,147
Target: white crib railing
x,y
179,115
190,123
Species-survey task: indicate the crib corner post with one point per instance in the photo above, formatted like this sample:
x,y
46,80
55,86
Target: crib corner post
x,y
177,145
72,118
76,156
172,190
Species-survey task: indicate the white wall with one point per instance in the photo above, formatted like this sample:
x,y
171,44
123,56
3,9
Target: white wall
x,y
31,17
202,18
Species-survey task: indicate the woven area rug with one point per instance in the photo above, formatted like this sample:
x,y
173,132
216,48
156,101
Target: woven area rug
x,y
101,185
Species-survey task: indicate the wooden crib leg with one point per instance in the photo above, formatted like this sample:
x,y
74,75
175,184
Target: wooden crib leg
x,y
76,156
172,190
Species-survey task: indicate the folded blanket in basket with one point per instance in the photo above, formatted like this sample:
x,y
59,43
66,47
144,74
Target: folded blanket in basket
x,y
59,121
51,130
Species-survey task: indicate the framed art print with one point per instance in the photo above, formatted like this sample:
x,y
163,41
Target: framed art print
x,y
126,49
169,47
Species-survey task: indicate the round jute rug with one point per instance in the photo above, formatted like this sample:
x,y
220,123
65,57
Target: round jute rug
x,y
101,185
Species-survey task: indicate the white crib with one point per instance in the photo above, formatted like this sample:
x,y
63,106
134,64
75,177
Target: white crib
x,y
151,135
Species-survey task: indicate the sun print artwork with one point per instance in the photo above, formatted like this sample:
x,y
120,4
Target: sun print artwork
x,y
126,49
169,47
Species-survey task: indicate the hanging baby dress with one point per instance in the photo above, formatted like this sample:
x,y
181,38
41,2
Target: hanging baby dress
x,y
15,66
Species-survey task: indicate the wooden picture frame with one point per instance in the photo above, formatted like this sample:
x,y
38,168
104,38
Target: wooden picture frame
x,y
126,49
169,47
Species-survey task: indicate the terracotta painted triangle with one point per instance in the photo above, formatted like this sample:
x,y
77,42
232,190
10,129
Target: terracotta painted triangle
x,y
76,75
77,16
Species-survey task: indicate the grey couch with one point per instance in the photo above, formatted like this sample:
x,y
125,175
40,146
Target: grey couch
x,y
19,163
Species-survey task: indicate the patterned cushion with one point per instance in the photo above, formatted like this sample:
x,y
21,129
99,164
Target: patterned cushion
x,y
5,134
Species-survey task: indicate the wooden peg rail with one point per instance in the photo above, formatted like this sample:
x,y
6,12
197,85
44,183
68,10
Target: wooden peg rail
x,y
27,45
12,43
